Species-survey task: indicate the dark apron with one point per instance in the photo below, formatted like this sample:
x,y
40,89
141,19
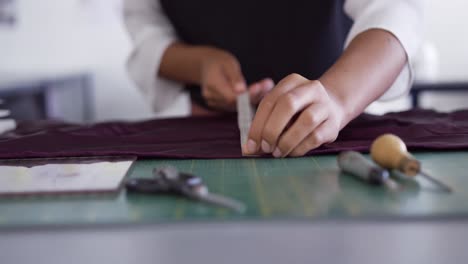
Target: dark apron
x,y
270,38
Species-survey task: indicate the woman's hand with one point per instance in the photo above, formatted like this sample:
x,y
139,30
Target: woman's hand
x,y
216,71
222,80
298,115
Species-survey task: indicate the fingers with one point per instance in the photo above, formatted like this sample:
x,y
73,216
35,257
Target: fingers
x,y
265,108
275,128
218,92
259,89
233,73
286,107
325,133
311,118
221,79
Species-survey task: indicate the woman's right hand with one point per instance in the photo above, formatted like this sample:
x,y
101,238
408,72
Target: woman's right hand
x,y
221,80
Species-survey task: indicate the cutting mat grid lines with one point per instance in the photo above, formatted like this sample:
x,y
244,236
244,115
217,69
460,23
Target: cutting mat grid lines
x,y
296,188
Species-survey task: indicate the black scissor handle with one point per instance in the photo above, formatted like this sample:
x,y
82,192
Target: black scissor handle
x,y
144,185
179,182
167,180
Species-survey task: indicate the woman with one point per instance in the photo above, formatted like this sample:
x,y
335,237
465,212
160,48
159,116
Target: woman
x,y
329,59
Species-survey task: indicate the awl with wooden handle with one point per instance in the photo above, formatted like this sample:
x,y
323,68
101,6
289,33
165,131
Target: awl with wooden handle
x,y
390,152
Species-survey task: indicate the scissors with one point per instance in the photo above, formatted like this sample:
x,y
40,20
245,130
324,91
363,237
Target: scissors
x,y
168,180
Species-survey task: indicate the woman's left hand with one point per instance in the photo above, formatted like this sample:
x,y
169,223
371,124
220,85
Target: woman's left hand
x,y
298,115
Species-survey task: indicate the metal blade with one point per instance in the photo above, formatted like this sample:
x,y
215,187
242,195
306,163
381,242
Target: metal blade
x,y
223,201
245,114
442,185
391,184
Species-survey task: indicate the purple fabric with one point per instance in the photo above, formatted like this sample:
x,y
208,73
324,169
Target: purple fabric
x,y
218,137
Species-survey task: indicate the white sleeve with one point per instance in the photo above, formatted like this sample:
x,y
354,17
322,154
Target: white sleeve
x,y
151,33
402,18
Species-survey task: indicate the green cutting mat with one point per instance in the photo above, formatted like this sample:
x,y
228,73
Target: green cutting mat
x,y
300,188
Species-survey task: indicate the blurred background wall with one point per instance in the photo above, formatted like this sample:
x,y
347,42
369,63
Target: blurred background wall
x,y
60,37
447,29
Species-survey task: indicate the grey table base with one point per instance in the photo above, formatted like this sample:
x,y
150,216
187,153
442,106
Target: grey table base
x,y
244,242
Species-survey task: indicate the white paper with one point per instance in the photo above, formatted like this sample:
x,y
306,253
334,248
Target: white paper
x,y
99,176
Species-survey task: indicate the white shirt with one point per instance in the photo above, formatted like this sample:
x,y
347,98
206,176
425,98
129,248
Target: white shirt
x,y
152,33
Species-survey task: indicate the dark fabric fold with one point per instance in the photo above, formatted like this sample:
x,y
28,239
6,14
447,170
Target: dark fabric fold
x,y
218,137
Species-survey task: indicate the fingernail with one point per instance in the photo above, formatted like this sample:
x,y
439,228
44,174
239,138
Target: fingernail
x,y
277,153
270,84
240,87
251,146
254,89
266,147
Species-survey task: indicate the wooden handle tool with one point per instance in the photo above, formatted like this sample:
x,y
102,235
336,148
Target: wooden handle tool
x,y
390,152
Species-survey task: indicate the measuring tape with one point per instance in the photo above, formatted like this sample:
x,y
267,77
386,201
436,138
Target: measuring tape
x,y
245,114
